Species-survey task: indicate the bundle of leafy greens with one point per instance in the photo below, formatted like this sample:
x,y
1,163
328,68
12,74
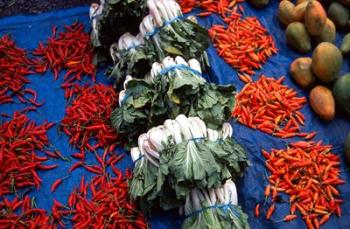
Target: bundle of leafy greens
x,y
111,19
214,208
175,87
130,58
162,33
182,154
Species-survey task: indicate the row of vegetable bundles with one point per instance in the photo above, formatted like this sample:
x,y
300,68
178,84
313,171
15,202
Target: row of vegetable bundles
x,y
163,32
173,87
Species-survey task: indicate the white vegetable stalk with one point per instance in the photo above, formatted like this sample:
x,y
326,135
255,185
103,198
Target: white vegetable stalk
x,y
181,120
135,153
154,12
142,142
162,10
213,135
180,60
127,79
156,69
195,65
94,11
121,97
227,131
199,199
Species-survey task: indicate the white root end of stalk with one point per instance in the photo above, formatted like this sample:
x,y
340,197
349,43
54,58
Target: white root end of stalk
x,y
195,65
180,60
135,153
168,62
227,130
121,97
154,12
127,79
182,121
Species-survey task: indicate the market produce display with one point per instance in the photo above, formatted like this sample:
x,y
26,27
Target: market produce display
x,y
154,114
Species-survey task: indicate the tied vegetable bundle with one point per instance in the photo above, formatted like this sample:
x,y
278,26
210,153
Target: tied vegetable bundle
x,y
162,33
110,19
214,208
182,154
173,87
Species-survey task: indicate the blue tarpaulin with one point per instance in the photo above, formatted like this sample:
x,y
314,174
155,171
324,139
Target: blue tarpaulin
x,y
28,31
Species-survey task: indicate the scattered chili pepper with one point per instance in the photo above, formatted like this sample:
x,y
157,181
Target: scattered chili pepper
x,y
309,172
270,211
108,204
20,138
222,7
70,50
88,118
14,68
244,44
56,183
21,214
271,107
257,210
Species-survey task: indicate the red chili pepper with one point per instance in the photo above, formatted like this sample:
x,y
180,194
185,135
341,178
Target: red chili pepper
x,y
270,211
256,211
55,184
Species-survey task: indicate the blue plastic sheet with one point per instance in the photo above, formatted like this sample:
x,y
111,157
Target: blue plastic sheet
x,y
28,31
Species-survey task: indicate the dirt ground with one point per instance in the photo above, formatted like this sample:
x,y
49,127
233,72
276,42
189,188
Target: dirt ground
x,y
13,7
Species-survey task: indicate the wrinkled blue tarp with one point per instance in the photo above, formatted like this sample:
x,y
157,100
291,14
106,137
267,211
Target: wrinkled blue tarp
x,y
28,31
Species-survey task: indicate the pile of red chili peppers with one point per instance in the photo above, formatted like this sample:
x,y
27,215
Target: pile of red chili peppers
x,y
70,50
14,68
244,44
309,173
88,118
222,7
21,214
108,207
271,107
20,138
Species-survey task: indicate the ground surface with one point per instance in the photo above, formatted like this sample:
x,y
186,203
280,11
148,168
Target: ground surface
x,y
13,7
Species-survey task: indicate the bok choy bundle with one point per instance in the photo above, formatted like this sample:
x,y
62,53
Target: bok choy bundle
x,y
173,158
110,19
173,87
214,208
162,33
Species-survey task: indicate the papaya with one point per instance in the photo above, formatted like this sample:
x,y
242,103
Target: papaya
x,y
299,11
297,37
339,15
315,18
347,148
327,61
322,102
285,12
345,2
345,44
328,33
301,71
259,3
341,91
